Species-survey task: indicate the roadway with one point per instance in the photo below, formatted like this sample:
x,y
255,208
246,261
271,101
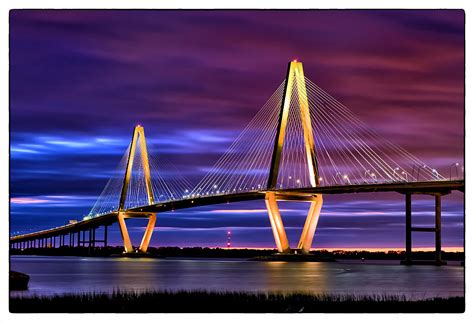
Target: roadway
x,y
300,194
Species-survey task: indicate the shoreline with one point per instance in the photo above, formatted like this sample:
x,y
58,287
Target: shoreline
x,y
200,252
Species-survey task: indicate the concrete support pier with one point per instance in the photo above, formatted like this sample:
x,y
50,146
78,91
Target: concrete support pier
x,y
409,229
408,257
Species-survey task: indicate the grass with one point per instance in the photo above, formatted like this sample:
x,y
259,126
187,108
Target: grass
x,y
230,302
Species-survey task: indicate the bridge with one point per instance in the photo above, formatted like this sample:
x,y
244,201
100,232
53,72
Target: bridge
x,y
302,144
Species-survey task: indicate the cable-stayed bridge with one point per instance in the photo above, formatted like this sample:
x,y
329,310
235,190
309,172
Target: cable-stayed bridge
x,y
301,144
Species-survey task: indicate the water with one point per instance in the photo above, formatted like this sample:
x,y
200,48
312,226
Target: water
x,y
60,275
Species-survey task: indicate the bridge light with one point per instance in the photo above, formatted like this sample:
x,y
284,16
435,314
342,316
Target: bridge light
x,y
289,177
215,187
320,179
456,165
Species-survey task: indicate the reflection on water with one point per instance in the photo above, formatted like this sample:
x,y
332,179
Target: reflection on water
x,y
56,275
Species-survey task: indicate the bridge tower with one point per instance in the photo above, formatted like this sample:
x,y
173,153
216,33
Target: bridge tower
x,y
295,77
138,137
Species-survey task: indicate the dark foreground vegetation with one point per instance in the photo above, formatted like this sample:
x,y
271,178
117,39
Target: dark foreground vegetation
x,y
231,253
230,302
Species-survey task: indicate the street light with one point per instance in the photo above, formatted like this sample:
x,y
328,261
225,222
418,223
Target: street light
x,y
395,173
406,175
347,178
451,167
338,174
365,175
418,173
374,176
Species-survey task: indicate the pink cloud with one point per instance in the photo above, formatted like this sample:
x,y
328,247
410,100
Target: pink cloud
x,y
27,200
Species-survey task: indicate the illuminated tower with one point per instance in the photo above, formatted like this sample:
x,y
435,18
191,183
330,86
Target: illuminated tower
x,y
295,77
138,135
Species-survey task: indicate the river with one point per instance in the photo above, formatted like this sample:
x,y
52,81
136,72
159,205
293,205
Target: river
x,y
60,275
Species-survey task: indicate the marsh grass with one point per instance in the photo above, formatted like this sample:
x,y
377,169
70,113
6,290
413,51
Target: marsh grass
x,y
230,302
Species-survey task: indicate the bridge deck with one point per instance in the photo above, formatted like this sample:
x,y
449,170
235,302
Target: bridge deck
x,y
435,187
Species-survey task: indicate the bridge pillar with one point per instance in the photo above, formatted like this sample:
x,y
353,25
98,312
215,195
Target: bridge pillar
x,y
409,229
294,77
127,244
93,237
310,225
277,224
278,229
148,232
89,245
138,136
438,229
105,236
408,256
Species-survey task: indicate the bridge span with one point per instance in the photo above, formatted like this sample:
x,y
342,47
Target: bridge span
x,y
83,233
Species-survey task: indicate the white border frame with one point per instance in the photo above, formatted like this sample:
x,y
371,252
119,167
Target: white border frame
x,y
212,4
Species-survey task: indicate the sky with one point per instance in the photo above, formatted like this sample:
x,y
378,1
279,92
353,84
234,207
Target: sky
x,y
81,80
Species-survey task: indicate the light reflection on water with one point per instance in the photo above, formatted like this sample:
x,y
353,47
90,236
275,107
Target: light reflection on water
x,y
58,275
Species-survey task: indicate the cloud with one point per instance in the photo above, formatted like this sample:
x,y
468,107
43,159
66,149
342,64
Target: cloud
x,y
26,201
